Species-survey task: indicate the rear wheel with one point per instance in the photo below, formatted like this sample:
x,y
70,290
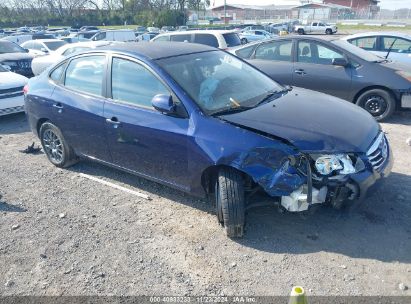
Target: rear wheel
x,y
301,31
379,103
230,201
56,148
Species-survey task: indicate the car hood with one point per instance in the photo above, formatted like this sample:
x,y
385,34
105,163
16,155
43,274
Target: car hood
x,y
15,56
11,80
311,121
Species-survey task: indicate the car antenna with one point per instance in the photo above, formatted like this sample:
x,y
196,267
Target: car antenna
x,y
389,50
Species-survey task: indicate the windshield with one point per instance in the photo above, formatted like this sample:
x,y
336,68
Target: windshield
x,y
218,82
54,45
10,47
365,55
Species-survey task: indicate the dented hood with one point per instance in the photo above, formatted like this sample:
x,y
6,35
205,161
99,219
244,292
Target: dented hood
x,y
312,121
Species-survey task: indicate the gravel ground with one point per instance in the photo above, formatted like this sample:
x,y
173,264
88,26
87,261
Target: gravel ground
x,y
61,234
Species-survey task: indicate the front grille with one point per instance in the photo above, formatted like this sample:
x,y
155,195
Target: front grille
x,y
12,92
378,152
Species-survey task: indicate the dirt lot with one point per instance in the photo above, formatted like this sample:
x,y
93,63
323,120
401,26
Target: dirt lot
x,y
61,234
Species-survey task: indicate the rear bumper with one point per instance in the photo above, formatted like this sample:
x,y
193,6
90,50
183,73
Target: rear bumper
x,y
11,105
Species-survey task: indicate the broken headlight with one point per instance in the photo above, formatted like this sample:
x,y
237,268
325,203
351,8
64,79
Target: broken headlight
x,y
327,164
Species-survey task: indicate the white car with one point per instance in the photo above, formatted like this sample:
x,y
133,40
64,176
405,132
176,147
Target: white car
x,y
215,38
11,92
115,35
39,64
380,43
43,46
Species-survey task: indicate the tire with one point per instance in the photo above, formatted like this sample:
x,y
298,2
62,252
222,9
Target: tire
x,y
301,31
244,41
328,32
379,103
56,148
230,201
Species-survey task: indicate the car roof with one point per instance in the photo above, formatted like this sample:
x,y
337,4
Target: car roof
x,y
367,34
43,40
161,49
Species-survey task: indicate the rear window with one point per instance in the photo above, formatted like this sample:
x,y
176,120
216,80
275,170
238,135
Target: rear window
x,y
206,39
181,38
54,45
232,39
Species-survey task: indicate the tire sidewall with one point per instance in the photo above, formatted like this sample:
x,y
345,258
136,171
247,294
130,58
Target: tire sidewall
x,y
388,98
49,126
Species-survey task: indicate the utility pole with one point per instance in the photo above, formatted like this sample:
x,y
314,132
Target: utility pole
x,y
225,12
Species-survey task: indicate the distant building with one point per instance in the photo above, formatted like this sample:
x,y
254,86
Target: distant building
x,y
318,11
252,12
361,8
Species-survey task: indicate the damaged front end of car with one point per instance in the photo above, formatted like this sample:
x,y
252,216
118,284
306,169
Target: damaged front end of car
x,y
299,180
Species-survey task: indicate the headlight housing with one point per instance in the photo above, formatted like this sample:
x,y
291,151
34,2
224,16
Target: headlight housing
x,y
327,164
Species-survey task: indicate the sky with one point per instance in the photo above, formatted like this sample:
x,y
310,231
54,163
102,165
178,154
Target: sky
x,y
387,4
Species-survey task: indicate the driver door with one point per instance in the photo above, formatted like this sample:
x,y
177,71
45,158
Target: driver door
x,y
140,138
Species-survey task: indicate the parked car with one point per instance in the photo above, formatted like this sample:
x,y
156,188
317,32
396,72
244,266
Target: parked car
x,y
146,36
18,38
334,67
39,64
249,36
115,35
15,58
153,29
254,27
43,46
316,27
86,34
74,39
88,28
393,46
170,113
11,92
219,39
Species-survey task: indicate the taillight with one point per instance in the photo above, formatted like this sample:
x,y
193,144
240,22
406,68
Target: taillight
x,y
26,89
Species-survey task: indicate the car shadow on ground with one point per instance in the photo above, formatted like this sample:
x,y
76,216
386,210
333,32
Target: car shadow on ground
x,y
13,124
5,207
379,228
403,118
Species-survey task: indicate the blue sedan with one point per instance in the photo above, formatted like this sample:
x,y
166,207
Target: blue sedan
x,y
203,121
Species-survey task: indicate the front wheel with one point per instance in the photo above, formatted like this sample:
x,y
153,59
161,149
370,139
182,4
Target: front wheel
x,y
379,103
230,201
56,148
301,31
328,31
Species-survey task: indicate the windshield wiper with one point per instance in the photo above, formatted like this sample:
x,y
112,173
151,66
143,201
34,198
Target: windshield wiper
x,y
270,94
230,110
389,50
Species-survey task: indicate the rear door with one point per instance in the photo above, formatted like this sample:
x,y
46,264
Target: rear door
x,y
275,59
78,105
313,69
139,137
400,48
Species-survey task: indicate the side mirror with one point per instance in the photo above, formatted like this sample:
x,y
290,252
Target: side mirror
x,y
163,103
340,62
26,50
44,50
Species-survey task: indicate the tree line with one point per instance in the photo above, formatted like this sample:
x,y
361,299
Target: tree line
x,y
15,13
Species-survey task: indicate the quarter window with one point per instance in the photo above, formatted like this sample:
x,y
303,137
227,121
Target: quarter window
x,y
181,38
56,74
85,74
206,39
277,50
133,83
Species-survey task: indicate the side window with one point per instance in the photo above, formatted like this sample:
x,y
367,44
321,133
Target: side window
x,y
55,75
133,83
36,46
315,24
206,39
321,24
277,50
85,74
398,46
366,43
181,38
163,38
258,33
316,53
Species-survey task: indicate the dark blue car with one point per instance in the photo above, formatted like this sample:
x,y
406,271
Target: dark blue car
x,y
203,121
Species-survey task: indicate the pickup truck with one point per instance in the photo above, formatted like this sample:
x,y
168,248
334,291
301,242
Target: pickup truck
x,y
316,27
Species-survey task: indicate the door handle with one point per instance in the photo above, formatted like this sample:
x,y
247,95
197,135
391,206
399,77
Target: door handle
x,y
113,121
58,106
300,72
